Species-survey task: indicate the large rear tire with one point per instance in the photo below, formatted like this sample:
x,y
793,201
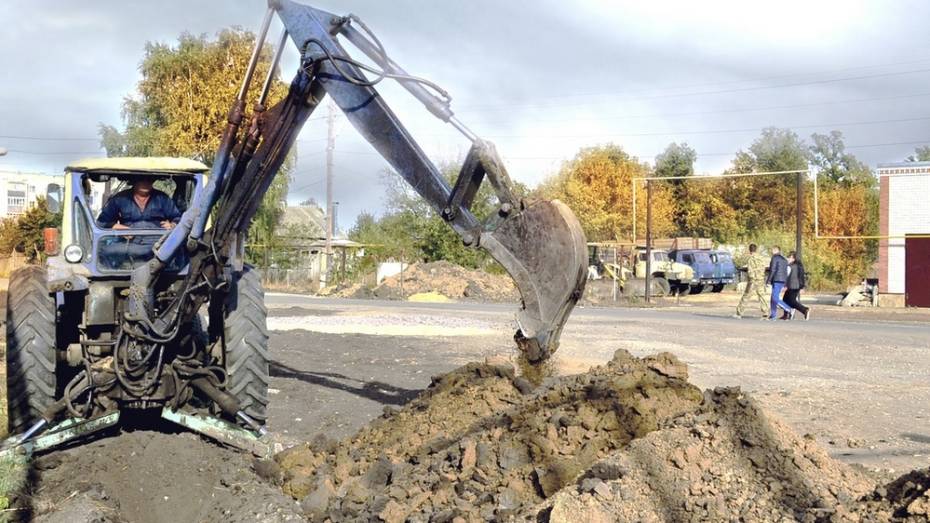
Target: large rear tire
x,y
718,287
661,286
246,341
697,289
30,347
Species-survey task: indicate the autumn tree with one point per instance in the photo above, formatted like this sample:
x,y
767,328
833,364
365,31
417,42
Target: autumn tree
x,y
598,186
181,105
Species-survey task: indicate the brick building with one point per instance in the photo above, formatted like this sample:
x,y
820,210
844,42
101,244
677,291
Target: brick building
x,y
904,224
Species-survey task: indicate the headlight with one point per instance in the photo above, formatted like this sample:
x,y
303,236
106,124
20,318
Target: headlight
x,y
74,253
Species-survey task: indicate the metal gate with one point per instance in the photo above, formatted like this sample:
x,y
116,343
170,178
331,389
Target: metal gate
x,y
917,271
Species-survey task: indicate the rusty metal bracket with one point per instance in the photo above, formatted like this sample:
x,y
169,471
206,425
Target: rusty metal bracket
x,y
68,430
222,431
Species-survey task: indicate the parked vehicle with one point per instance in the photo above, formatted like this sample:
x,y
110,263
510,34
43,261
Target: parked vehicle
x,y
701,264
671,276
668,276
724,269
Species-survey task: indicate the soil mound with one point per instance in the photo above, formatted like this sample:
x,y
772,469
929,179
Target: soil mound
x,y
448,279
723,461
481,444
628,441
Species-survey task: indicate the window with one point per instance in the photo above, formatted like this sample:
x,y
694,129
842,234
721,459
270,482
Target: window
x,y
16,199
702,257
688,258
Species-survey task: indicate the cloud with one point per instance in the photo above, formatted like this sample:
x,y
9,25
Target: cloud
x,y
541,79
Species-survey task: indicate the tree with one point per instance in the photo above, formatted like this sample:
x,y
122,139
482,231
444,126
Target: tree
x,y
598,184
412,230
181,105
921,154
26,233
676,160
828,154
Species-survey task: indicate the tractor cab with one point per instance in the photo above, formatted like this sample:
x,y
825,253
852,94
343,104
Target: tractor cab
x,y
111,249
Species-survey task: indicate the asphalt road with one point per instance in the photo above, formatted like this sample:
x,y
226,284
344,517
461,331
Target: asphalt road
x,y
857,380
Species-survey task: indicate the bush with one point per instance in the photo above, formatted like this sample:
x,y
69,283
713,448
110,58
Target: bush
x,y
26,234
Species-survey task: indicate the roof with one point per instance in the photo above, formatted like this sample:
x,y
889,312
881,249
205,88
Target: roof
x,y
138,164
902,165
306,221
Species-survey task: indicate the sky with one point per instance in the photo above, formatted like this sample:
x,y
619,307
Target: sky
x,y
541,79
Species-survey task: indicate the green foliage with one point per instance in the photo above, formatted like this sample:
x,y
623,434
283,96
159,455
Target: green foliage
x,y
411,230
676,160
828,154
25,233
921,154
181,106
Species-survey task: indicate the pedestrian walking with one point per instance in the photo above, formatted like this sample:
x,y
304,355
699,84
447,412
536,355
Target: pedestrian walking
x,y
797,280
778,275
755,283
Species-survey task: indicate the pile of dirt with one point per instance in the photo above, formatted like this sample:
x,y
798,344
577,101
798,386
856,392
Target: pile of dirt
x,y
628,441
448,279
723,461
481,443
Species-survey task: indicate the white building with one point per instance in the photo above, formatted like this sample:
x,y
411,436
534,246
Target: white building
x,y
20,190
904,227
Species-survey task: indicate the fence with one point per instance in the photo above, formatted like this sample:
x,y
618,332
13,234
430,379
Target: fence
x,y
306,279
11,262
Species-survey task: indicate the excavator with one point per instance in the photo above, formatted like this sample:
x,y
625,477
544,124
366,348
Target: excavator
x,y
113,324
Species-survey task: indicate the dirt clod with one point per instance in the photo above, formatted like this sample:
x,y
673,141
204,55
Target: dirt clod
x,y
483,448
628,441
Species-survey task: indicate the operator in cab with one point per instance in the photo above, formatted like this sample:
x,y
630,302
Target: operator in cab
x,y
142,206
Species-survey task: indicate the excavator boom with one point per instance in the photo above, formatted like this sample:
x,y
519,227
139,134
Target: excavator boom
x,y
540,243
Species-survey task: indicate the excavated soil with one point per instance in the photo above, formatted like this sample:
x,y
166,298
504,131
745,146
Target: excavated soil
x,y
448,279
150,477
628,441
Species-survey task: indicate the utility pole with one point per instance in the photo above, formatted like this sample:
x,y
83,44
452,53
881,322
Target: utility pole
x,y
799,218
330,148
648,292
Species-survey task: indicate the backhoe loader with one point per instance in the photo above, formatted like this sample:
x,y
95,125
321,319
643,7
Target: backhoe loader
x,y
114,323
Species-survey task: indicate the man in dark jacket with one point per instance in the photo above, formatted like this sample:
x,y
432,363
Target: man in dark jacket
x,y
797,280
140,207
778,275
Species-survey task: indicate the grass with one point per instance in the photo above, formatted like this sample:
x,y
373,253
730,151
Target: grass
x,y
13,468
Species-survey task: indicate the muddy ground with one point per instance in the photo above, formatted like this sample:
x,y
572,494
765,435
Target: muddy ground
x,y
858,389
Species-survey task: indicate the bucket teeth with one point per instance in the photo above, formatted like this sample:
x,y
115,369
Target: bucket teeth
x,y
543,249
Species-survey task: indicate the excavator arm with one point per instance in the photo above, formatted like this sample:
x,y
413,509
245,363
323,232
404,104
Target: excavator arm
x,y
540,243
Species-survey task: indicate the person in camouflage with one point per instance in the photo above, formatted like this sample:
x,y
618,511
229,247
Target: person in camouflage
x,y
755,286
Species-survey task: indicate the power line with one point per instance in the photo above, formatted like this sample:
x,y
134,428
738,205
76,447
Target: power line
x,y
701,93
729,82
704,131
703,155
721,111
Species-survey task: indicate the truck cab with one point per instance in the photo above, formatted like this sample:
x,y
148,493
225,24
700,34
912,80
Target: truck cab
x,y
89,277
701,264
674,277
724,269
95,250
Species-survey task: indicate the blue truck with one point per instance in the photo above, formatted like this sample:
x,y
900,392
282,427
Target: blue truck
x,y
712,269
724,269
